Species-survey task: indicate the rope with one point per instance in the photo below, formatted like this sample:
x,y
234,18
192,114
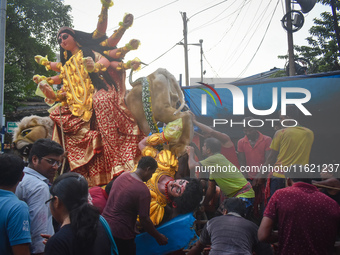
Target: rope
x,y
62,141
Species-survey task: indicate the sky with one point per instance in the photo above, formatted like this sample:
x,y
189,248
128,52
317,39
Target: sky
x,y
240,37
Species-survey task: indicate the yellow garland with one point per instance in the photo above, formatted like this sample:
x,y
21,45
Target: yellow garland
x,y
155,139
50,81
78,87
167,165
39,78
136,60
43,61
129,46
98,67
60,96
149,151
48,66
97,34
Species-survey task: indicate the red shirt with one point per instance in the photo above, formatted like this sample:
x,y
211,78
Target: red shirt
x,y
255,156
307,219
230,154
99,197
128,198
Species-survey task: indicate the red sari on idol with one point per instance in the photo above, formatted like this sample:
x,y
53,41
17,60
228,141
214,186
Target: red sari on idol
x,y
107,143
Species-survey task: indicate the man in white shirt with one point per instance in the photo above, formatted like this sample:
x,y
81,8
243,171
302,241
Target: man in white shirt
x,y
44,160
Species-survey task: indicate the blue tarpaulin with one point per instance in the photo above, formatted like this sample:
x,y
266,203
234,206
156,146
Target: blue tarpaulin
x,y
324,106
179,231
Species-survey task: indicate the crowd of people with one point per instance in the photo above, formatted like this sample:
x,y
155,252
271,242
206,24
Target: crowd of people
x,y
44,215
246,210
291,213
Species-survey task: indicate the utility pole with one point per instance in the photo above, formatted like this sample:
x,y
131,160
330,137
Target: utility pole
x,y
3,6
185,34
185,44
201,41
201,52
290,40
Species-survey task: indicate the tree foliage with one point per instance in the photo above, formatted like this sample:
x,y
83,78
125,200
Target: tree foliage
x,y
31,29
322,51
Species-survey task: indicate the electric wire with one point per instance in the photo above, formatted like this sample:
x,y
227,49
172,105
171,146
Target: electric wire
x,y
261,41
160,56
227,31
253,22
146,13
209,23
212,69
207,9
188,32
163,54
167,51
233,40
243,48
229,15
283,8
156,9
206,24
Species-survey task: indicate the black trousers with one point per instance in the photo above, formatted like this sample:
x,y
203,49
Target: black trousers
x,y
125,247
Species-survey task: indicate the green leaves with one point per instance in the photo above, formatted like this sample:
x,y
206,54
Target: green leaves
x,y
322,52
31,29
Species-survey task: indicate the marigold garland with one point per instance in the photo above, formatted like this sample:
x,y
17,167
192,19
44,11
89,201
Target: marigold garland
x,y
166,191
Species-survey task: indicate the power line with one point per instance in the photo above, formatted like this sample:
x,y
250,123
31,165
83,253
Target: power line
x,y
183,38
233,40
258,22
283,9
147,13
156,9
197,28
261,40
209,23
226,32
239,11
161,55
207,8
212,69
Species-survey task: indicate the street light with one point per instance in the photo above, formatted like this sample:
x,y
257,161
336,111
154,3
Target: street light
x,y
196,44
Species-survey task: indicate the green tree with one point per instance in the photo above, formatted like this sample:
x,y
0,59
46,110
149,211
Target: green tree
x,y
31,29
322,51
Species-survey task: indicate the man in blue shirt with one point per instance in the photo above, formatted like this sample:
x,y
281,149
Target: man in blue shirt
x,y
14,217
43,162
